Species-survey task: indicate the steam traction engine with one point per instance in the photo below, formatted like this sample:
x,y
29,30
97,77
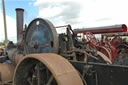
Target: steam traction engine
x,y
43,57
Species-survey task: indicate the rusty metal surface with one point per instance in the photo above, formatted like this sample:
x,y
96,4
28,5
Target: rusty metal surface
x,y
6,72
20,23
18,57
105,51
41,37
63,72
104,57
14,56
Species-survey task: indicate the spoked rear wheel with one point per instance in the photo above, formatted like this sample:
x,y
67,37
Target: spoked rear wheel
x,y
40,75
45,69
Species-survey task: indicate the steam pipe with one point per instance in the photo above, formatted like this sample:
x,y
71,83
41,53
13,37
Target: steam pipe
x,y
20,22
104,29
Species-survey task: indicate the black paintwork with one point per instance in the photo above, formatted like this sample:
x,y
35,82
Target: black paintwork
x,y
103,74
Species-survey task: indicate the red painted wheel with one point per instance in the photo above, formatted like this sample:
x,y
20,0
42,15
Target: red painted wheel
x,y
105,51
91,38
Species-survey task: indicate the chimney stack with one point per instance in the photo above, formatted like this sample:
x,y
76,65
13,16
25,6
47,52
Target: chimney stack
x,y
20,23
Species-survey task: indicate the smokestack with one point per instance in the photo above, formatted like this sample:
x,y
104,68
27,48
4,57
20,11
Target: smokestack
x,y
20,23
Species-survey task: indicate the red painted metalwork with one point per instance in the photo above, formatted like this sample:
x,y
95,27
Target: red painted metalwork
x,y
114,43
91,38
104,29
107,47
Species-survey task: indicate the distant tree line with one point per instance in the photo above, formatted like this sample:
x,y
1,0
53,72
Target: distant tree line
x,y
2,43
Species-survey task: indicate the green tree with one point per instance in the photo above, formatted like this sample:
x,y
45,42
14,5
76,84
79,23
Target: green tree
x,y
2,43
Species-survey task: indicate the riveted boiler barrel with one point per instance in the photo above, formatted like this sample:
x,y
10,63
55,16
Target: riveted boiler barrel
x,y
15,56
6,72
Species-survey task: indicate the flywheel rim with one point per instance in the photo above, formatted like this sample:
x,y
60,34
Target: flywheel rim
x,y
63,72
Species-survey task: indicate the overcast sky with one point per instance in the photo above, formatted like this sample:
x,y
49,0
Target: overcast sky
x,y
78,13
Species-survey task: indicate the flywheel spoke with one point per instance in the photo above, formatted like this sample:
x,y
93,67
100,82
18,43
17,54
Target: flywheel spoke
x,y
38,74
50,80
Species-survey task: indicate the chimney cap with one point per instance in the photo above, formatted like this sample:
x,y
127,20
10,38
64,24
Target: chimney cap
x,y
19,9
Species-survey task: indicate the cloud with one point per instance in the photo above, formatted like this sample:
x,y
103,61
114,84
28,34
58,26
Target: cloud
x,y
11,28
84,13
64,10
